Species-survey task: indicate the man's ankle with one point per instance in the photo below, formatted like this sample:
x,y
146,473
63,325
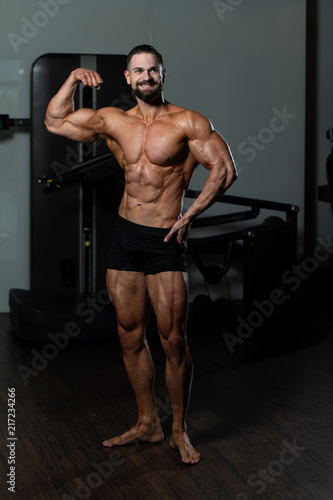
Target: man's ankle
x,y
148,420
178,430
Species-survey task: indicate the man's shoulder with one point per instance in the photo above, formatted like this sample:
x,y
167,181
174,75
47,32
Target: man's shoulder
x,y
185,112
110,111
191,121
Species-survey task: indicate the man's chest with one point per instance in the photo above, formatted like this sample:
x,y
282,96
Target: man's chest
x,y
161,142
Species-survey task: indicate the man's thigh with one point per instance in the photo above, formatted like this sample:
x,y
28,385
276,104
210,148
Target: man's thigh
x,y
129,295
168,292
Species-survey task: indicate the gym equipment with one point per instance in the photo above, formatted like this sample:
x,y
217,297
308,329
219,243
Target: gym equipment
x,y
7,123
265,250
71,227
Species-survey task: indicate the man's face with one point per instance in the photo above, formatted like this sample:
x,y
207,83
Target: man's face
x,y
145,76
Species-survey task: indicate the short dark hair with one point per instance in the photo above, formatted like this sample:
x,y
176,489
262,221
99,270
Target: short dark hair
x,y
144,49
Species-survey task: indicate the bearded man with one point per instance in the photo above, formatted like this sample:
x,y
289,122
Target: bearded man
x,y
158,145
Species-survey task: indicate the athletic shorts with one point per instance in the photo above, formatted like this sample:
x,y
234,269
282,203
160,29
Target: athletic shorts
x,y
141,248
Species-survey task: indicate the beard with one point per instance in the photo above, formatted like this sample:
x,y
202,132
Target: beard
x,y
148,96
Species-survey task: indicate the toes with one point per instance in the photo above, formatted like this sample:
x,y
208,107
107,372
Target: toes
x,y
191,459
107,443
196,458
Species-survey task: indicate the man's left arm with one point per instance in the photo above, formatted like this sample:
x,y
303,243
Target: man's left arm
x,y
213,153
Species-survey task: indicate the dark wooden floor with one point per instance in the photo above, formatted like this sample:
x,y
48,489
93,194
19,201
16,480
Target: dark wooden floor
x,y
260,417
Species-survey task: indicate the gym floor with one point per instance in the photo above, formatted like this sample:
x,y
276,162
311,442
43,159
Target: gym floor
x,y
260,416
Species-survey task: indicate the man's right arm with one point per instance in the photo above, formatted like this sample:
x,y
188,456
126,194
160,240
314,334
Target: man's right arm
x,y
83,125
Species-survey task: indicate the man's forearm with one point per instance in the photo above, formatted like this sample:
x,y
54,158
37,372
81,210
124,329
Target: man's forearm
x,y
62,104
216,184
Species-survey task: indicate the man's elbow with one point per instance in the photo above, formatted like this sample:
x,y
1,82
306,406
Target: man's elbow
x,y
230,180
49,124
232,173
231,176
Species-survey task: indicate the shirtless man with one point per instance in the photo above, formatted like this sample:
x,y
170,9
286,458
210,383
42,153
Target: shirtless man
x,y
158,145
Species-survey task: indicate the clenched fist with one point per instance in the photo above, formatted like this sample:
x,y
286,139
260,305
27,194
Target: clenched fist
x,y
88,77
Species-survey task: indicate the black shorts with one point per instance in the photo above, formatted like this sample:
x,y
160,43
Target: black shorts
x,y
141,248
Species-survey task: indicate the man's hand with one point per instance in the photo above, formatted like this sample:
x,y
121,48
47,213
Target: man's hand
x,y
182,229
88,77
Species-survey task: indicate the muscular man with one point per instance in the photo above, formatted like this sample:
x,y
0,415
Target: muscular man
x,y
158,145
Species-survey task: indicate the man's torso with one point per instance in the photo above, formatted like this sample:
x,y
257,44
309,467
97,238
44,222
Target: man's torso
x,y
157,162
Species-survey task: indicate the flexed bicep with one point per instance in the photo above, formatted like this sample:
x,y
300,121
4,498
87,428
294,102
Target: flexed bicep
x,y
83,125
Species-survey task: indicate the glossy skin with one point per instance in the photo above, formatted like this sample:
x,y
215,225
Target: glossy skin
x,y
158,145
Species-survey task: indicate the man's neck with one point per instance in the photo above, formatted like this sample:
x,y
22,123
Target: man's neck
x,y
149,111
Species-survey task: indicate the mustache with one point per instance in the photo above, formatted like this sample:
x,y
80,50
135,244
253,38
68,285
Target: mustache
x,y
146,82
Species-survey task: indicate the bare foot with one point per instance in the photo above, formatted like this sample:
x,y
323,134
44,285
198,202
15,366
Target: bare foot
x,y
148,433
188,454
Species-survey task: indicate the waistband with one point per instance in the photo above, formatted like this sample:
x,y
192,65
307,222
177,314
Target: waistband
x,y
126,224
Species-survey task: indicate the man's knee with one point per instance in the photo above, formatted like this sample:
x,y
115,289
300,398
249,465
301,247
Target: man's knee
x,y
132,339
174,340
174,344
